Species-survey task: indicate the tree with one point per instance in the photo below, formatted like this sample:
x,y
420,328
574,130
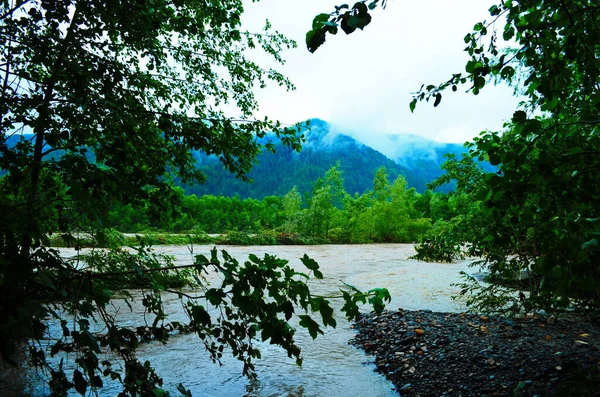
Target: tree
x,y
99,108
292,206
325,203
541,206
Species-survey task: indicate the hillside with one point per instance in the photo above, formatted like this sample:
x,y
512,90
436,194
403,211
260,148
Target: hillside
x,y
417,159
414,157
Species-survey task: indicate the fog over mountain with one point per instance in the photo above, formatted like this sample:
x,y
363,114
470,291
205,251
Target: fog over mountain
x,y
417,159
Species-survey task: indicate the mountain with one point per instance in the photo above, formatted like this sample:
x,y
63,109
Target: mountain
x,y
421,157
417,159
414,157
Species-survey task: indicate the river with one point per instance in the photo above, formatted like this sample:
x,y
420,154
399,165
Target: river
x,y
331,367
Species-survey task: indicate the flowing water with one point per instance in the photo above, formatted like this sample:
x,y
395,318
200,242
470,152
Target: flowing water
x,y
331,366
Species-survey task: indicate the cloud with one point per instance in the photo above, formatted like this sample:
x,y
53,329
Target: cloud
x,y
363,82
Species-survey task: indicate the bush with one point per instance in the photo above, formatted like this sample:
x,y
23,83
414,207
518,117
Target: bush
x,y
443,244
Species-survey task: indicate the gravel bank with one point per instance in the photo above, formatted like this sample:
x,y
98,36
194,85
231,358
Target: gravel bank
x,y
455,354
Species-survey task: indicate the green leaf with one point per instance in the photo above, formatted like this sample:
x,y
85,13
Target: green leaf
x,y
380,295
312,326
413,105
200,315
331,27
315,38
158,392
215,296
472,66
438,99
345,26
519,117
360,7
185,392
327,314
507,72
359,21
288,309
589,244
311,264
319,21
79,382
350,307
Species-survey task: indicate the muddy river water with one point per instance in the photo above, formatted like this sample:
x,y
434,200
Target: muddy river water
x,y
331,367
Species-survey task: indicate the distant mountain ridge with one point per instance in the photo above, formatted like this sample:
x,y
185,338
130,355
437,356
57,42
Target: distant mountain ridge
x,y
277,173
414,157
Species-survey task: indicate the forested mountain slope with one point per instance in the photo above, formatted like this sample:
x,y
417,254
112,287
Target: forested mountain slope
x,y
417,159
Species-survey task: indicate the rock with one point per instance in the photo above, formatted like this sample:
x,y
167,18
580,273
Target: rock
x,y
407,387
407,341
419,331
453,366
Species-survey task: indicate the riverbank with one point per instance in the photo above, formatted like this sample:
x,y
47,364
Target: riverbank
x,y
113,238
455,354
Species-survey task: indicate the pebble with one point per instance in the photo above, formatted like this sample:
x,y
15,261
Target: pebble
x,y
511,351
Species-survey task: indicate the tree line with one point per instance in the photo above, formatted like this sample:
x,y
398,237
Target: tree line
x,y
390,212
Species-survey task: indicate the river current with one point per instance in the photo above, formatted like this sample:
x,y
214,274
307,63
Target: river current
x,y
331,366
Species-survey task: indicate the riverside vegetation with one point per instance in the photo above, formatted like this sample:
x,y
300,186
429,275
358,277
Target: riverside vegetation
x,y
535,220
389,213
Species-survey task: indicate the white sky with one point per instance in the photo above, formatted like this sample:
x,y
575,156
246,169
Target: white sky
x,y
361,83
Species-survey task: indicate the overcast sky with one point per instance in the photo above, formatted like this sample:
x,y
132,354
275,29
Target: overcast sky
x,y
362,83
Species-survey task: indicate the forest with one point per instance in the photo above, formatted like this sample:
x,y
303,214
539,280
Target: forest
x,y
113,111
389,212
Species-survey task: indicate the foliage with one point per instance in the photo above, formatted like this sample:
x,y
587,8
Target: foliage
x,y
388,213
441,244
344,17
385,214
536,217
101,111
